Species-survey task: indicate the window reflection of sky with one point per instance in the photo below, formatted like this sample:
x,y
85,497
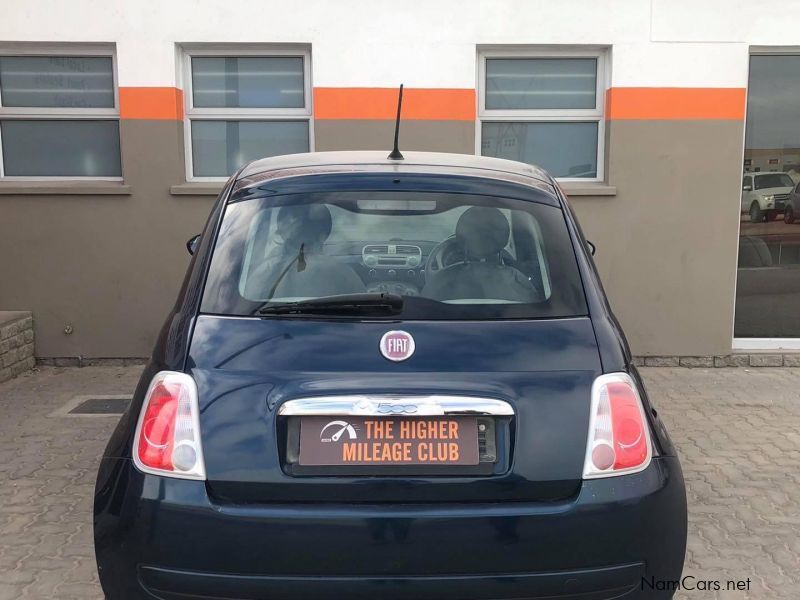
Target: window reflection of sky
x,y
773,111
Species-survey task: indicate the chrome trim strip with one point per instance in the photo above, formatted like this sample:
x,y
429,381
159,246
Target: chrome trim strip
x,y
391,404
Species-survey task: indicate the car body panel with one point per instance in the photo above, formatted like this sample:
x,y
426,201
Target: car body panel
x,y
365,160
793,204
779,194
612,534
376,179
246,368
532,530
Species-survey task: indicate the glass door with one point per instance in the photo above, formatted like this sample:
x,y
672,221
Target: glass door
x,y
768,277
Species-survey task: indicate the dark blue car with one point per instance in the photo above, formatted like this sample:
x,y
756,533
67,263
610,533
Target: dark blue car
x,y
390,379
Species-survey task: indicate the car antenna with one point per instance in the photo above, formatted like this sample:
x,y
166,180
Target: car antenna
x,y
395,153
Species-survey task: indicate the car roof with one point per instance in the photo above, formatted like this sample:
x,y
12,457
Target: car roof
x,y
438,162
757,173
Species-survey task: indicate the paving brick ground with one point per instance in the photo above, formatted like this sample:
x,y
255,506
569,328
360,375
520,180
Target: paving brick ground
x,y
738,432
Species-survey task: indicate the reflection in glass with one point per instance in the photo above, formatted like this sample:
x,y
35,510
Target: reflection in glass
x,y
221,147
248,82
483,257
768,279
57,81
564,148
541,83
61,148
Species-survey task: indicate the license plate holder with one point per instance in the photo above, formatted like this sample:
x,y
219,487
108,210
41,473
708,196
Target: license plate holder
x,y
389,442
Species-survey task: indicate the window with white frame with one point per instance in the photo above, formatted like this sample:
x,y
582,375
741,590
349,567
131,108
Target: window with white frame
x,y
59,114
244,105
544,108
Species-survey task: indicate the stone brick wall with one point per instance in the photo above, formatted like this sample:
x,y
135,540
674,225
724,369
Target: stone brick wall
x,y
16,344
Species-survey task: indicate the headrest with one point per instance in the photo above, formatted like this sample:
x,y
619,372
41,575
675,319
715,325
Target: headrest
x,y
483,231
306,223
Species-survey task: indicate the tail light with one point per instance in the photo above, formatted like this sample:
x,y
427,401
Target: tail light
x,y
619,435
167,440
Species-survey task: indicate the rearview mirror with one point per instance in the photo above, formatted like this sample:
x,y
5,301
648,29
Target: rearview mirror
x,y
747,188
592,247
191,245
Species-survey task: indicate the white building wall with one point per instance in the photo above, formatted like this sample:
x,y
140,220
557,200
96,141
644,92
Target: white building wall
x,y
377,43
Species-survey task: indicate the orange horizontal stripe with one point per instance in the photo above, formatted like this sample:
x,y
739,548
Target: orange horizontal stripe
x,y
676,103
164,103
381,103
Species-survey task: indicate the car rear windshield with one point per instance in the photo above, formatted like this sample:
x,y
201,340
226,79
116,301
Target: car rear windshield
x,y
773,180
438,256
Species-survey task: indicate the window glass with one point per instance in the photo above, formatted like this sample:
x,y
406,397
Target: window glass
x,y
350,225
221,147
565,149
57,81
244,108
541,83
768,278
773,180
247,82
68,148
544,110
448,255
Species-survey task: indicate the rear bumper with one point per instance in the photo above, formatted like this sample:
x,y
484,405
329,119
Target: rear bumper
x,y
613,581
167,539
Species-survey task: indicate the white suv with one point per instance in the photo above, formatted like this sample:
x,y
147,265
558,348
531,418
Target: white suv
x,y
764,194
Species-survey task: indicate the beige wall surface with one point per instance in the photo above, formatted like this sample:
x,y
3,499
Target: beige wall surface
x,y
667,243
110,266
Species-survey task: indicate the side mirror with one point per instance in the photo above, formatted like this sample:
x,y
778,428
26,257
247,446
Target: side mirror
x,y
592,247
747,188
192,243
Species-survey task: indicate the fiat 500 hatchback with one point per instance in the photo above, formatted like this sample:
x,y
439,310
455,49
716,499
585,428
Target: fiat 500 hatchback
x,y
394,379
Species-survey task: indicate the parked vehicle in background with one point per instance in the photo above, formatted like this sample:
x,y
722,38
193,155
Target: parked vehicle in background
x,y
395,379
764,195
792,210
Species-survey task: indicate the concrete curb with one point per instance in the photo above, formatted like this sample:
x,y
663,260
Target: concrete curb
x,y
760,359
82,361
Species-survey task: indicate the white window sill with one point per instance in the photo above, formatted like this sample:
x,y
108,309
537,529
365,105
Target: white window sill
x,y
588,189
195,188
68,188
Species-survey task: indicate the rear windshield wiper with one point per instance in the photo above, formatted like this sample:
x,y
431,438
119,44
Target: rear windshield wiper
x,y
346,304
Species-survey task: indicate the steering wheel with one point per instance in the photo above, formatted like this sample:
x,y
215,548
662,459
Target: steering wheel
x,y
450,252
447,253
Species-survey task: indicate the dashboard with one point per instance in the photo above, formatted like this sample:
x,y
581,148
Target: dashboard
x,y
397,266
393,268
400,266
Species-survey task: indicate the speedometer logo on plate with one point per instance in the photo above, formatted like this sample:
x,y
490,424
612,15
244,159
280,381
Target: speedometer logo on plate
x,y
397,345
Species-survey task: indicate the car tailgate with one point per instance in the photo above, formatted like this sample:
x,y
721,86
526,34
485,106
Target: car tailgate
x,y
246,369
